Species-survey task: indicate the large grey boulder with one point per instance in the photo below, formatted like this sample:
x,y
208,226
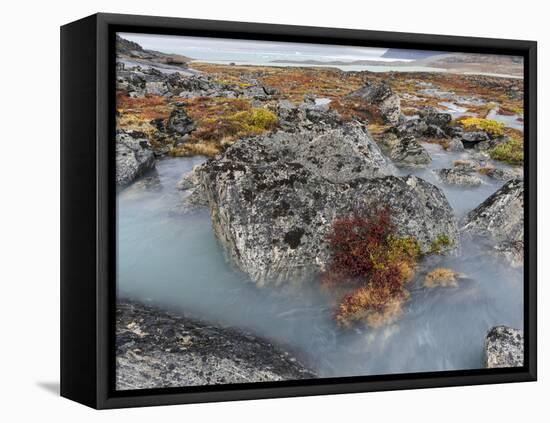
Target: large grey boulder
x,y
409,152
500,218
133,157
273,199
380,94
503,347
156,349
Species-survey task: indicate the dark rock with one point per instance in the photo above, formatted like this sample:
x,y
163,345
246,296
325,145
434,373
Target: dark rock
x,y
455,131
503,347
179,123
433,117
434,131
469,139
156,349
409,152
293,118
381,95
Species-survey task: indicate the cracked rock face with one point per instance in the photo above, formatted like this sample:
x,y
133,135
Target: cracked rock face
x,y
273,198
459,176
409,152
500,219
133,157
503,347
295,118
157,349
381,95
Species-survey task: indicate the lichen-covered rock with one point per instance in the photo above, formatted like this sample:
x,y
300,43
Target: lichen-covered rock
x,y
470,139
455,145
195,197
466,165
179,123
273,198
458,176
428,123
503,347
504,174
500,218
293,118
133,157
409,152
434,117
381,95
157,349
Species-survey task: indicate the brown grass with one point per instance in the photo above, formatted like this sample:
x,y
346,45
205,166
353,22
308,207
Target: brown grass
x,y
441,277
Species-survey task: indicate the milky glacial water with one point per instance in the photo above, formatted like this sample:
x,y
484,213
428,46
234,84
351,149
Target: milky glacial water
x,y
174,261
511,121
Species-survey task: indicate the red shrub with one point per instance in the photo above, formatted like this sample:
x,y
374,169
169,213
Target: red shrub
x,y
372,264
356,243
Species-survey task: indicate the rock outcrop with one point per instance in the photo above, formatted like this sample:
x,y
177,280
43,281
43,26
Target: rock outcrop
x,y
273,198
504,174
133,157
179,123
139,81
429,123
382,96
294,118
455,145
471,139
156,349
500,218
503,347
458,176
408,152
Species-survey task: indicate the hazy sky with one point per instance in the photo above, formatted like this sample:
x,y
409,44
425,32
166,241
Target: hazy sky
x,y
241,50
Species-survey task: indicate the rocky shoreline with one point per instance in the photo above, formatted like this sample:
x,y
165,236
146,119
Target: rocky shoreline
x,y
159,349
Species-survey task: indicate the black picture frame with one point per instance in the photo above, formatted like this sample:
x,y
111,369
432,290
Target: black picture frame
x,y
88,288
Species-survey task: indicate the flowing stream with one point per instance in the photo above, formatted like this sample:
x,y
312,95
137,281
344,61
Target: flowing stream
x,y
173,260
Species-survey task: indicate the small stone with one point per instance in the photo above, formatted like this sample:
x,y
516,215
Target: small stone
x,y
503,348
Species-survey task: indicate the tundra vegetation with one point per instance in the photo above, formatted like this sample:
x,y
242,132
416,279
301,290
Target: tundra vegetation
x,y
369,260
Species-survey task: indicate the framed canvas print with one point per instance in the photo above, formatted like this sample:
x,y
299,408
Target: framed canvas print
x,y
254,211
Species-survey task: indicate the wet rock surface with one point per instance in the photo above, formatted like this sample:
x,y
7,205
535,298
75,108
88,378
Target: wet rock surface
x,y
273,198
500,218
133,157
158,349
504,174
458,176
503,347
409,152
